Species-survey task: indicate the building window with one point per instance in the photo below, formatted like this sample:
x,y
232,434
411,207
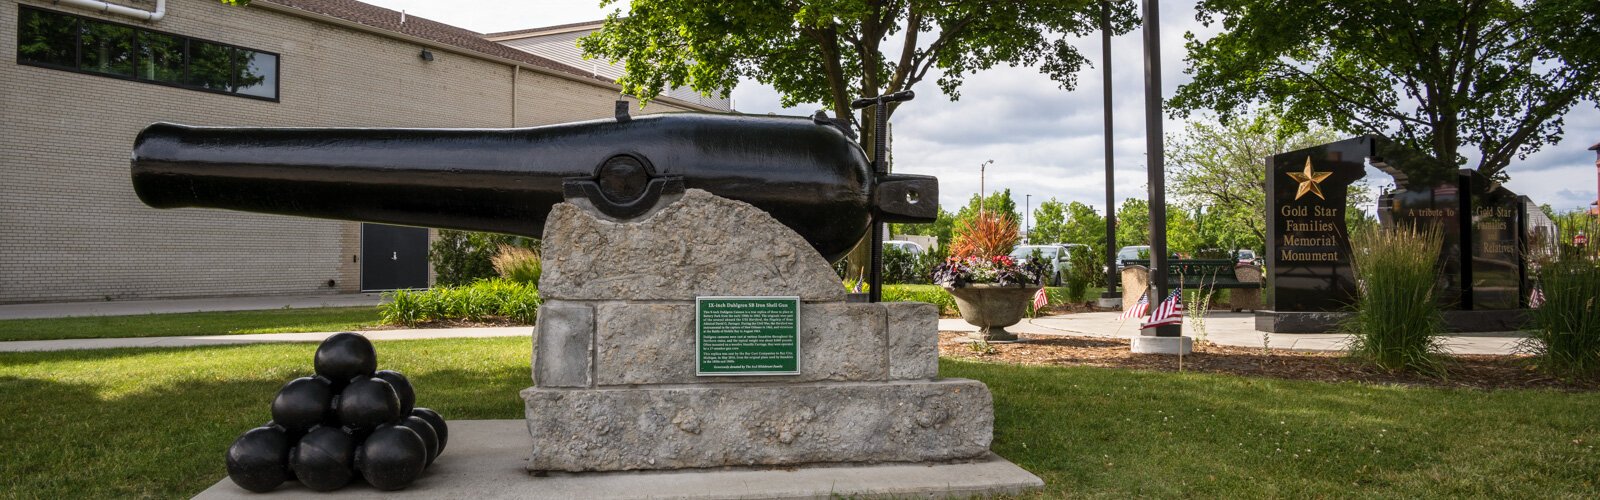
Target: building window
x,y
75,43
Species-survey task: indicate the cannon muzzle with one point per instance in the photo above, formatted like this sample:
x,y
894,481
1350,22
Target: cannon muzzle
x,y
808,175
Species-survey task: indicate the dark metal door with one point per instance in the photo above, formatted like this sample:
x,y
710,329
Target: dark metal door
x,y
393,257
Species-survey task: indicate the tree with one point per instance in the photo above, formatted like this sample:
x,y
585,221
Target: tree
x,y
1133,223
1049,222
1219,166
1433,77
831,52
998,202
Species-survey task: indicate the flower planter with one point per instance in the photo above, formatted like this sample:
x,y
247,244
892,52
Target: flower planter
x,y
992,308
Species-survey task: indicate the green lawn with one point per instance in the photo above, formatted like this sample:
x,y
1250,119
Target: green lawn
x,y
323,319
156,422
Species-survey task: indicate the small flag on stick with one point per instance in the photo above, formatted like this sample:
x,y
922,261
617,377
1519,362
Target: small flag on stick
x,y
1536,299
1040,299
1137,311
1170,312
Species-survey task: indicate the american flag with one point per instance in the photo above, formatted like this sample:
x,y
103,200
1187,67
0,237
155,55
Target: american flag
x,y
1138,309
1040,300
1170,312
1536,299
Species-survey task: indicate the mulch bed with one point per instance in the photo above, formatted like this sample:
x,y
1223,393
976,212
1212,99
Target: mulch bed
x,y
1463,371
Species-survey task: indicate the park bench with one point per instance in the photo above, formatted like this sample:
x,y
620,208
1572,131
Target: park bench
x,y
1191,274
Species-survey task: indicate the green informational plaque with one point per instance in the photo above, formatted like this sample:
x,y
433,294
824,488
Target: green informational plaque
x,y
747,336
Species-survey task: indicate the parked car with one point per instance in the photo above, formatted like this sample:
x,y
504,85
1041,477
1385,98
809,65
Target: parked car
x,y
1245,257
1056,255
908,246
1131,252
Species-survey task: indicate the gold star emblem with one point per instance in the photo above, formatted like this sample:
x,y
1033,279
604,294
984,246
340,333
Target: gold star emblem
x,y
1308,180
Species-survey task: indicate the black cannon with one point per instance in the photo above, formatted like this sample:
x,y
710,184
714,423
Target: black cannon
x,y
803,171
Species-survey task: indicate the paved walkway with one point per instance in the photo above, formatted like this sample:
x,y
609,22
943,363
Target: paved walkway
x,y
131,307
1231,329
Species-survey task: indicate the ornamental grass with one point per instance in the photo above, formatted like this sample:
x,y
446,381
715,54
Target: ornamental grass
x,y
1397,321
518,264
1565,338
984,236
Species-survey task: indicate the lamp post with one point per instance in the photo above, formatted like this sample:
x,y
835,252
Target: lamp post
x,y
1027,209
982,193
1111,298
1164,339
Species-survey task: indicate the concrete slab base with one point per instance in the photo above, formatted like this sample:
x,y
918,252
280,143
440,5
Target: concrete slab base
x,y
488,459
1162,345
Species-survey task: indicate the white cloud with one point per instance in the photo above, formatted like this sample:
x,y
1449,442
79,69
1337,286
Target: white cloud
x,y
1044,141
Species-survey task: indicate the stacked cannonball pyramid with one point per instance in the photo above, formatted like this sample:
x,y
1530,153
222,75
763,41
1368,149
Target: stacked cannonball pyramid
x,y
350,420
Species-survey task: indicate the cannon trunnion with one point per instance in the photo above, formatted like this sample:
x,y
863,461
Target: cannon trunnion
x,y
807,174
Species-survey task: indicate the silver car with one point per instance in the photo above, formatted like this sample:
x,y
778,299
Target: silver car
x,y
1056,255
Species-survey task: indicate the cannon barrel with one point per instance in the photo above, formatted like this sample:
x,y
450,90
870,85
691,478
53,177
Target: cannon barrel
x,y
808,175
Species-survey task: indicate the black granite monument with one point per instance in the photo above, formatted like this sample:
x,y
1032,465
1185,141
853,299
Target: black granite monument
x,y
1308,246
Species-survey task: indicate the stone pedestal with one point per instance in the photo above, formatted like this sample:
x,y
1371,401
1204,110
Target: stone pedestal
x,y
614,360
1149,344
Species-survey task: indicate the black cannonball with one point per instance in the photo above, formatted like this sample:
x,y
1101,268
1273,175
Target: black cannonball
x,y
391,457
259,459
344,356
437,422
324,459
430,438
408,396
302,403
366,403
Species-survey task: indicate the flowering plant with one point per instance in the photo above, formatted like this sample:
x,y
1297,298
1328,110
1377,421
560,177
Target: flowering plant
x,y
1000,270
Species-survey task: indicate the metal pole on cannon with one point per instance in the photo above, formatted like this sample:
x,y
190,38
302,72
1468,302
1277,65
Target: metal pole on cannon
x,y
880,168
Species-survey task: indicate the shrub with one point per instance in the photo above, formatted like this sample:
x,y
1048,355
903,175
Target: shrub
x,y
1397,320
900,266
1566,327
462,257
485,300
1084,269
518,264
921,293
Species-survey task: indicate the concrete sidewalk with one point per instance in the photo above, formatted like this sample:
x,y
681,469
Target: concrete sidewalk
x,y
1230,329
205,340
132,307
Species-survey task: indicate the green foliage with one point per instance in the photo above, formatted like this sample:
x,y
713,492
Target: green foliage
x,y
1493,76
1397,322
1085,269
1049,223
1218,166
998,202
1566,333
1133,223
462,257
518,264
490,299
320,319
931,294
900,266
818,51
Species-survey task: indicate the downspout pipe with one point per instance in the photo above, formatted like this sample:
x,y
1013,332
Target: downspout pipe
x,y
114,9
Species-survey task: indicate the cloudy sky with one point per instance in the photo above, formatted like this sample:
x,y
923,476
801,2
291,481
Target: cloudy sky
x,y
1044,141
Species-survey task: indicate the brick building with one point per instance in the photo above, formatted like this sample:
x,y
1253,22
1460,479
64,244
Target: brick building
x,y
78,85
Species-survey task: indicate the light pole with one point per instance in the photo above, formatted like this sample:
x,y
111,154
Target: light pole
x,y
1167,338
1111,297
982,193
1027,209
